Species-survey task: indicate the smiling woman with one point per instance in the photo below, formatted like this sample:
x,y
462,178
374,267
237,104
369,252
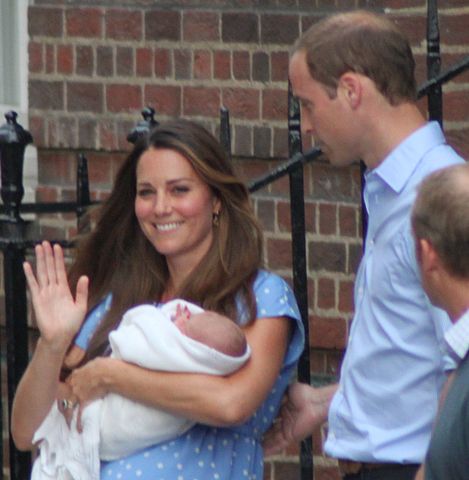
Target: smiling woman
x,y
175,209
178,223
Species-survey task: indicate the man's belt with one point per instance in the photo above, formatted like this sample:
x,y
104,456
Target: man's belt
x,y
352,467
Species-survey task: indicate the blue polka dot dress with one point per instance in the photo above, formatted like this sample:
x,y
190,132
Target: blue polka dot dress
x,y
209,453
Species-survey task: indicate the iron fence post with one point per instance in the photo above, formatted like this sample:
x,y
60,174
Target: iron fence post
x,y
435,100
13,232
300,278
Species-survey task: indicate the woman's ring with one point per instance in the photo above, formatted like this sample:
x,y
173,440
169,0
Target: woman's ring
x,y
66,403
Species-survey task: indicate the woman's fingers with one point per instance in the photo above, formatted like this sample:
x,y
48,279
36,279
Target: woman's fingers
x,y
30,278
59,264
81,296
50,262
41,268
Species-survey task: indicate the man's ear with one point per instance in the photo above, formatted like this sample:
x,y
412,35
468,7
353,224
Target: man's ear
x,y
427,256
352,89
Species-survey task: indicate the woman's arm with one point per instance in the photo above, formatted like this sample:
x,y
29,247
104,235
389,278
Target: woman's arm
x,y
58,317
210,399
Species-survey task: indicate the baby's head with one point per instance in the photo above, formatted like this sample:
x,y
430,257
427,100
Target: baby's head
x,y
212,329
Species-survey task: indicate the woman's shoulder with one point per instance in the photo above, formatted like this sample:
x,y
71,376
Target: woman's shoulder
x,y
274,296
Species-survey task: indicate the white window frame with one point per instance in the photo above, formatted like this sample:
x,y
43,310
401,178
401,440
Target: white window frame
x,y
17,42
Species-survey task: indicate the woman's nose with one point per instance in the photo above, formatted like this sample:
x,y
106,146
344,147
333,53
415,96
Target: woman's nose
x,y
162,204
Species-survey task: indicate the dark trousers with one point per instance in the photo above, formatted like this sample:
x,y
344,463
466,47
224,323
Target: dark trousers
x,y
398,472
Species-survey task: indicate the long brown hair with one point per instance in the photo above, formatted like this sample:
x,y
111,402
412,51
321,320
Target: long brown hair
x,y
119,259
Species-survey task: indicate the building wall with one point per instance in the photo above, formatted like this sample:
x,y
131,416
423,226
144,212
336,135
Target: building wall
x,y
94,65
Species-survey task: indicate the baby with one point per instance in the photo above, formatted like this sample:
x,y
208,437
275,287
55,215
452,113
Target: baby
x,y
177,336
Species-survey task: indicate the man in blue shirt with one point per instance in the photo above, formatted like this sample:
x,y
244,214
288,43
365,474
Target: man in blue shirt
x,y
353,74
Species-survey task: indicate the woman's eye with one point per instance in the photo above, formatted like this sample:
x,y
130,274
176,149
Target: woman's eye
x,y
144,192
180,189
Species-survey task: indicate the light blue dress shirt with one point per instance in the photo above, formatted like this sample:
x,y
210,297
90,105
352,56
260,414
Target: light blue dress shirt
x,y
394,366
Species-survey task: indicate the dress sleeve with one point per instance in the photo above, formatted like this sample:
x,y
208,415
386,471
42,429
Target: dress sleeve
x,y
91,322
275,298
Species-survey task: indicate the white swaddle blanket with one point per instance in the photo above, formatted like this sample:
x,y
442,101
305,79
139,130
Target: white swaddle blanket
x,y
116,425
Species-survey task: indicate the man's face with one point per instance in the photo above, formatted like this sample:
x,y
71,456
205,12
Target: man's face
x,y
324,117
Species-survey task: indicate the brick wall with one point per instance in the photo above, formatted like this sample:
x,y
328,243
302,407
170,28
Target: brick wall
x,y
93,68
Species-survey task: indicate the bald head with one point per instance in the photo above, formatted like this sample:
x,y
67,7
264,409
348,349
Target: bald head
x,y
441,216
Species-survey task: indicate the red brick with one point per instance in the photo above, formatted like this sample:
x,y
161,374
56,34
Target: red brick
x,y
240,27
65,59
50,59
35,54
271,33
99,169
84,22
46,95
124,24
327,219
326,293
123,98
241,65
222,65
201,101
44,21
202,65
260,67
104,61
346,303
107,139
327,256
125,61
280,144
62,132
242,140
46,194
201,26
162,63
162,25
279,253
265,212
182,64
347,221
84,60
274,104
144,58
456,106
87,133
242,102
453,28
413,27
37,130
56,169
458,140
262,141
279,66
166,99
84,97
327,332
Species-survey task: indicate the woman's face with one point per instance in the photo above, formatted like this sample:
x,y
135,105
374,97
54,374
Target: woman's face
x,y
174,207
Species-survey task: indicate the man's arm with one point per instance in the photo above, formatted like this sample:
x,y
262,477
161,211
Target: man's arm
x,y
305,410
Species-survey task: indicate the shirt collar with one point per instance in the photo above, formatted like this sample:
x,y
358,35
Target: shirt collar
x,y
398,166
457,336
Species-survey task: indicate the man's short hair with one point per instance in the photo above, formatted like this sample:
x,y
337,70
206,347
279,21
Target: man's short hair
x,y
441,216
365,43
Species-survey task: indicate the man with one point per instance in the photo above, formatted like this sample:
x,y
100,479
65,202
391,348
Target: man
x,y
440,221
353,74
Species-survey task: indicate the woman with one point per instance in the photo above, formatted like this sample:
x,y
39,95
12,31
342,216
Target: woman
x,y
190,234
